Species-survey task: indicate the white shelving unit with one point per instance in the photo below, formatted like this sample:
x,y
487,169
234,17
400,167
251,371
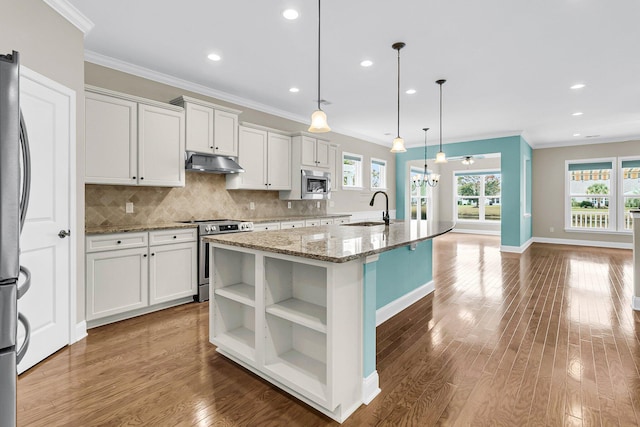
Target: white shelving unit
x,y
309,317
234,301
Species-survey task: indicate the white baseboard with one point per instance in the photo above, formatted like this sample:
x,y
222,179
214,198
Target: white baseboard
x,y
483,232
80,332
614,245
370,387
517,249
635,303
394,307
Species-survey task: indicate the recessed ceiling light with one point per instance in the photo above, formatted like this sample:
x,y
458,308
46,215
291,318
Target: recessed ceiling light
x,y
578,86
290,14
578,113
576,134
214,57
410,91
294,90
366,63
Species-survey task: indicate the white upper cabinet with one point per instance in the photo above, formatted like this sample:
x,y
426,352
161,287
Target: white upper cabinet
x,y
265,155
314,152
161,159
278,161
211,128
132,141
111,135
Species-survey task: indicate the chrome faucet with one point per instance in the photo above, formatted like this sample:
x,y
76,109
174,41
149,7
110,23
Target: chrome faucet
x,y
385,214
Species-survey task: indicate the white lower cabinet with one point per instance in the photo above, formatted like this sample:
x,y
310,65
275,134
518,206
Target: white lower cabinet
x,y
309,314
286,225
128,274
264,226
116,282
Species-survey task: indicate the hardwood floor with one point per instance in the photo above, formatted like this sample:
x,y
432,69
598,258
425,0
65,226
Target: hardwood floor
x,y
543,338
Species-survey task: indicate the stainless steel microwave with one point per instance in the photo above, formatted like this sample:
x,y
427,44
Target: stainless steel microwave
x,y
316,185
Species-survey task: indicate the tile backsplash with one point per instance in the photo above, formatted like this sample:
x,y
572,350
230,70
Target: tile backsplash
x,y
203,197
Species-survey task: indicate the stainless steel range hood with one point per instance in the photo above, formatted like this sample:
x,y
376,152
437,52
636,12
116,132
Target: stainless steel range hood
x,y
210,163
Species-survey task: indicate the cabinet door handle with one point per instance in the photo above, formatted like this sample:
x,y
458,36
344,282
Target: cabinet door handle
x,y
119,241
142,177
133,177
217,148
211,146
145,255
153,254
175,237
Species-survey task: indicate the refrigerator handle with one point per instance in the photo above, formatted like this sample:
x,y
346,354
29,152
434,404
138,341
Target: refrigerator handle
x,y
27,283
26,171
27,336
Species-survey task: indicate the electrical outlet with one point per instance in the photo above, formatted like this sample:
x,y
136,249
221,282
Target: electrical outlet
x,y
552,229
128,207
318,205
288,205
252,206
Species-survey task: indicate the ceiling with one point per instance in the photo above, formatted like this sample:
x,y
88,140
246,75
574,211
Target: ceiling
x,y
509,64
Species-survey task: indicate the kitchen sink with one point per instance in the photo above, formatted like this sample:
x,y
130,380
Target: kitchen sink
x,y
364,223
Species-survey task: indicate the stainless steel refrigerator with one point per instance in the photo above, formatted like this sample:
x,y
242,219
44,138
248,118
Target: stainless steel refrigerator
x,y
14,198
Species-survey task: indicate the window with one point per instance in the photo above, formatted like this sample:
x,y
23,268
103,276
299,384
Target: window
x,y
378,174
478,196
351,170
420,196
590,190
630,191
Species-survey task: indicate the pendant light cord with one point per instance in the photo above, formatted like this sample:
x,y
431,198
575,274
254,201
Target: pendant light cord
x,y
319,55
440,116
399,92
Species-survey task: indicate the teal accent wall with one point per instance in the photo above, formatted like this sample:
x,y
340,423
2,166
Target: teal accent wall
x,y
393,275
402,270
515,228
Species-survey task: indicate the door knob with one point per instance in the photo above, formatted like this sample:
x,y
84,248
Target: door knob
x,y
64,233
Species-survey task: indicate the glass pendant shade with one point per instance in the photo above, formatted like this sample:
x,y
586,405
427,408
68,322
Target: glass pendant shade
x,y
441,157
398,146
319,123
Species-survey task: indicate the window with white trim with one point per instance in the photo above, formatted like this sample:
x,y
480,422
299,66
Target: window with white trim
x,y
478,196
378,174
630,176
420,196
591,195
351,170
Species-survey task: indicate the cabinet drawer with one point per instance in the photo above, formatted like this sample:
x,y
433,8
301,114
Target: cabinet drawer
x,y
343,220
110,242
326,221
163,237
266,226
312,223
291,224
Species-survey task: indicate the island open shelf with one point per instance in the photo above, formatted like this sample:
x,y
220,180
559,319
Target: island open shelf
x,y
295,322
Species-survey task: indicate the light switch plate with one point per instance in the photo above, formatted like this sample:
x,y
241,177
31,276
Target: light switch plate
x,y
128,207
252,206
288,205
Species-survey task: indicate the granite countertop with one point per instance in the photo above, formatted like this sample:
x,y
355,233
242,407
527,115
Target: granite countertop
x,y
293,218
336,243
106,229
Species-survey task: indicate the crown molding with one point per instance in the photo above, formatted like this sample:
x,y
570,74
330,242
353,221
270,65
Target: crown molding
x,y
136,70
585,141
71,14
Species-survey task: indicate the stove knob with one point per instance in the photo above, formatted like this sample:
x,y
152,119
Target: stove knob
x,y
213,228
207,228
243,226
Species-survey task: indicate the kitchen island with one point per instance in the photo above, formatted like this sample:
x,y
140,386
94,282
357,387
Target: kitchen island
x,y
300,307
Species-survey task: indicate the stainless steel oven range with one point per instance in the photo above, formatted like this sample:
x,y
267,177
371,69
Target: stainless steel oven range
x,y
209,227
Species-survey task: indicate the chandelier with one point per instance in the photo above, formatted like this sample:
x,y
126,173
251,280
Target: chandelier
x,y
427,178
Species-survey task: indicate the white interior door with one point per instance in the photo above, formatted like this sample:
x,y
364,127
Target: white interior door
x,y
47,108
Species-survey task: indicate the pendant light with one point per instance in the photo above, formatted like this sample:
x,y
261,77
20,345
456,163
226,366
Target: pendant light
x,y
398,143
430,179
319,118
440,156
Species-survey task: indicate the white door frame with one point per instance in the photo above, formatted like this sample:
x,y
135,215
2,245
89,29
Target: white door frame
x,y
76,331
